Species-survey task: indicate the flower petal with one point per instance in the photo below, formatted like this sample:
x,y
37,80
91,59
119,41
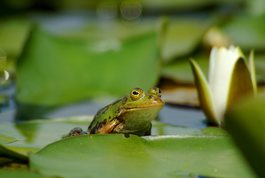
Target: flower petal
x,y
240,84
222,63
252,70
204,93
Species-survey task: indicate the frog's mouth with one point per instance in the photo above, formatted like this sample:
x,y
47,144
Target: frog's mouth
x,y
149,106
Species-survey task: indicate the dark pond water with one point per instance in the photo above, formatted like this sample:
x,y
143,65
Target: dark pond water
x,y
178,116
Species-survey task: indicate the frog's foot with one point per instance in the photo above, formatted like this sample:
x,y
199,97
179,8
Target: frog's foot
x,y
75,132
145,132
148,132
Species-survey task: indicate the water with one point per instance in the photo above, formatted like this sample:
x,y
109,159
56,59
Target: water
x,y
177,116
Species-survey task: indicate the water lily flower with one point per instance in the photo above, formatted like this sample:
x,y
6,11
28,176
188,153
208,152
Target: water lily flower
x,y
231,77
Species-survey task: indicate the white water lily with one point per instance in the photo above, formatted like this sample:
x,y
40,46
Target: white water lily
x,y
230,78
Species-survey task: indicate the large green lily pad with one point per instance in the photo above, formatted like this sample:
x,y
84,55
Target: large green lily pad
x,y
17,140
54,70
13,33
19,173
248,32
182,36
246,124
155,156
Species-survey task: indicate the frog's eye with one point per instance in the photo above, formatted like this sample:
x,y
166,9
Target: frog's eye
x,y
136,94
155,91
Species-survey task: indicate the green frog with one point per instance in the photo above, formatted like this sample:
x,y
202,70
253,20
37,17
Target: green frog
x,y
131,114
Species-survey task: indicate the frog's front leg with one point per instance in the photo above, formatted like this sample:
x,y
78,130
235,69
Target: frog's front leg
x,y
107,128
75,132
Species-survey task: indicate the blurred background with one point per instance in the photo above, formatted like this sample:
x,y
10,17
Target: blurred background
x,y
69,58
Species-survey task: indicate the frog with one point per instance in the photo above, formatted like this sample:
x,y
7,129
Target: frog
x,y
131,114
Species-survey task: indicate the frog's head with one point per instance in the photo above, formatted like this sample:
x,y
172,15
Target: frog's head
x,y
138,99
139,109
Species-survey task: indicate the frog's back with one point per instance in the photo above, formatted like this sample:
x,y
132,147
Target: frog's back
x,y
105,115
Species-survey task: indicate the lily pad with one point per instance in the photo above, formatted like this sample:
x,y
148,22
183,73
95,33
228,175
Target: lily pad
x,y
13,33
182,36
70,69
17,140
20,174
20,139
246,124
155,156
248,32
180,70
